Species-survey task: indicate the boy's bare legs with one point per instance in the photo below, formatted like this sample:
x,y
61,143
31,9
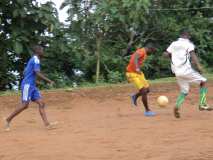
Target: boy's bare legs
x,y
42,112
17,111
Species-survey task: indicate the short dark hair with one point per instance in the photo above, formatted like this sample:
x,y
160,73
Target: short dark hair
x,y
184,31
150,45
36,47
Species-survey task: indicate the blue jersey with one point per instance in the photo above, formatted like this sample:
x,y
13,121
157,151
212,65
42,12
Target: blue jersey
x,y
33,65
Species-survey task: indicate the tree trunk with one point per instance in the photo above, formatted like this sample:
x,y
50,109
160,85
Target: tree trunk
x,y
98,55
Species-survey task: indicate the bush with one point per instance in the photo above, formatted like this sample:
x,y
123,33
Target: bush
x,y
115,77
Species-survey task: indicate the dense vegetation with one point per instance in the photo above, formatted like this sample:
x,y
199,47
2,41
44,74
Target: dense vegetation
x,y
97,35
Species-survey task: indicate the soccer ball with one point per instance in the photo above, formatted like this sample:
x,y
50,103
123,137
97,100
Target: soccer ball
x,y
162,101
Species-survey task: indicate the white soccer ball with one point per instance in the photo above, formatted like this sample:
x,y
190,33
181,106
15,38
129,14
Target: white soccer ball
x,y
162,101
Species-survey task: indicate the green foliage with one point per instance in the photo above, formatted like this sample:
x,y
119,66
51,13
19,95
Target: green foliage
x,y
23,23
97,36
115,77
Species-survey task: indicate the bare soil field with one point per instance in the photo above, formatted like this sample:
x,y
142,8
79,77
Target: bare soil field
x,y
101,124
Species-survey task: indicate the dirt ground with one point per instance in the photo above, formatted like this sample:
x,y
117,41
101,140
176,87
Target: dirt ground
x,y
100,124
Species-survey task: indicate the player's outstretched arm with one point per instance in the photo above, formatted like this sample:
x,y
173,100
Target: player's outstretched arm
x,y
195,61
41,76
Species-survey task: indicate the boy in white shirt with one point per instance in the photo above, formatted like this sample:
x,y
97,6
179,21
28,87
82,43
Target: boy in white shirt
x,y
181,52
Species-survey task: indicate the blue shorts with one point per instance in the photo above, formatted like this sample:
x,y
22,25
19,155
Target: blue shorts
x,y
29,93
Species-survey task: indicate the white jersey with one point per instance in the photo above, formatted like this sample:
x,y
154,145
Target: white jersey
x,y
180,56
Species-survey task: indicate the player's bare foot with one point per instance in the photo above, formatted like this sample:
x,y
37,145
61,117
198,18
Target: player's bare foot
x,y
205,108
6,125
52,125
176,113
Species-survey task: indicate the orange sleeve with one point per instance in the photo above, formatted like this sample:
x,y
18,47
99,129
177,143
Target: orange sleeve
x,y
141,53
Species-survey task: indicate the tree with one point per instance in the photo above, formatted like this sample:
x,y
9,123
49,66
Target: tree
x,y
23,24
99,36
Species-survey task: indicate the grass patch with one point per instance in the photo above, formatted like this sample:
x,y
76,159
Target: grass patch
x,y
9,93
163,80
98,85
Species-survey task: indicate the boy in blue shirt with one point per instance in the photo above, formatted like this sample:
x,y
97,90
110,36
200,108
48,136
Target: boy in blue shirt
x,y
29,90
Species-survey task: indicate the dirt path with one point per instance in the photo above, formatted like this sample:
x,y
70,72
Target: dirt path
x,y
100,124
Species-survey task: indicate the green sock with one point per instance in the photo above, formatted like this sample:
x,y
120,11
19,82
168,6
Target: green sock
x,y
180,100
203,92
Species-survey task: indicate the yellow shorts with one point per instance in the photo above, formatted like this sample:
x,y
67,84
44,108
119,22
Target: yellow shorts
x,y
138,80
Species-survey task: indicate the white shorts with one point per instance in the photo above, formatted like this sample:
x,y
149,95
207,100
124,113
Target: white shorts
x,y
191,77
